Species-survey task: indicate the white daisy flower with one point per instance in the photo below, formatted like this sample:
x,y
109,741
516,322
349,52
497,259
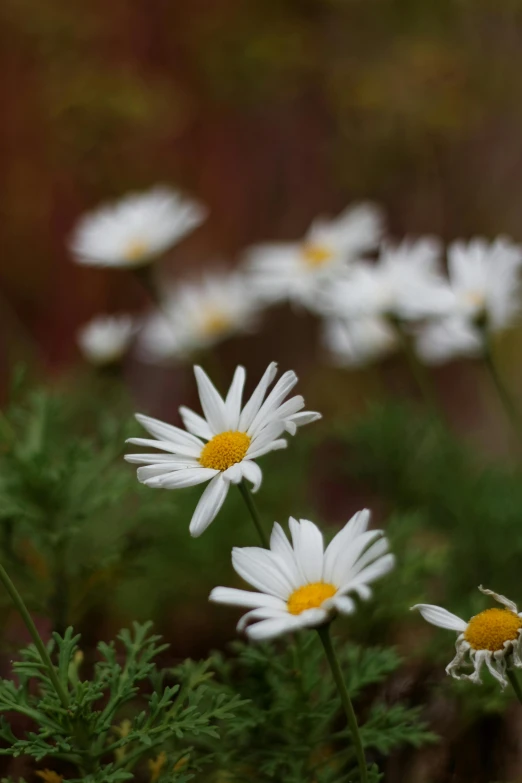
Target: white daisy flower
x,y
222,446
441,340
405,282
136,229
106,338
197,315
295,271
485,287
354,342
301,585
492,637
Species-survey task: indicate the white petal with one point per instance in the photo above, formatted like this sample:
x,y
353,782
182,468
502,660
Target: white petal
x,y
211,402
178,479
234,473
274,445
341,542
195,424
379,568
261,569
252,473
497,669
262,613
233,597
436,615
501,599
270,629
158,459
306,417
172,448
343,604
209,505
281,547
284,385
233,400
150,471
256,400
308,547
168,432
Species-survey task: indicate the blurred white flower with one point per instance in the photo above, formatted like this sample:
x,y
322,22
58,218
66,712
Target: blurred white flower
x,y
441,340
198,315
295,271
354,342
485,289
405,282
300,584
105,339
235,436
492,637
133,231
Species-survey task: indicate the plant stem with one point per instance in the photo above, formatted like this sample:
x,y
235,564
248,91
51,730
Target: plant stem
x,y
249,500
417,370
505,397
512,677
324,635
31,627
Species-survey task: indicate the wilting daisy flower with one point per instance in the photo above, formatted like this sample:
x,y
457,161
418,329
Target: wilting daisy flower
x,y
136,229
301,585
405,282
485,287
106,339
295,271
198,315
222,446
353,342
491,637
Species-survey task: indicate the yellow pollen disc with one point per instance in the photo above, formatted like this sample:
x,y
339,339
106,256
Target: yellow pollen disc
x,y
136,251
491,628
215,322
224,450
475,298
316,255
310,597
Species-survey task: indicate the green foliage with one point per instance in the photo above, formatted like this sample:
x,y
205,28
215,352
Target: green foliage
x,y
91,735
291,728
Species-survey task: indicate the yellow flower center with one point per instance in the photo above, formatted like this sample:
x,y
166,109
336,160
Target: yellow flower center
x,y
215,322
475,298
136,251
310,597
491,628
316,255
224,450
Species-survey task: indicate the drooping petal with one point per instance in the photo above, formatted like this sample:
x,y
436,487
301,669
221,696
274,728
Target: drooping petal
x,y
234,473
273,445
501,599
252,473
211,402
436,615
209,505
344,604
262,613
270,629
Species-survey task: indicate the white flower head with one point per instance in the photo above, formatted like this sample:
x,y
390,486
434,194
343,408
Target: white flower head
x,y
221,447
354,342
490,637
296,271
133,231
105,339
485,289
405,282
197,315
302,585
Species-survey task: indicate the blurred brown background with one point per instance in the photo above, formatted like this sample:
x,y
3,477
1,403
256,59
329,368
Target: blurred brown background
x,y
270,111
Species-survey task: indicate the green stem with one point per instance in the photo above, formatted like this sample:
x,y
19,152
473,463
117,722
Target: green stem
x,y
417,370
249,500
31,627
505,398
512,677
324,635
